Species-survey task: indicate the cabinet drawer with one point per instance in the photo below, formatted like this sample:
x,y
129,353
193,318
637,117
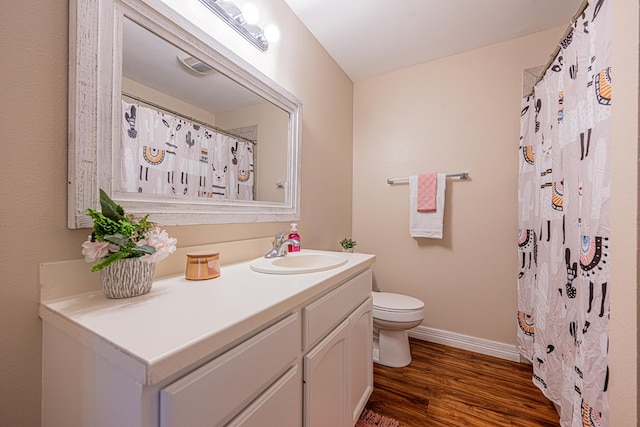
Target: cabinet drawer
x,y
322,315
280,405
215,392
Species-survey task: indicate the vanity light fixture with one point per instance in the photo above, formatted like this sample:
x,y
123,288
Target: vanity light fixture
x,y
272,33
243,21
250,13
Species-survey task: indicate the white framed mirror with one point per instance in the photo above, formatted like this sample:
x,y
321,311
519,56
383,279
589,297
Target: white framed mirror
x,y
171,123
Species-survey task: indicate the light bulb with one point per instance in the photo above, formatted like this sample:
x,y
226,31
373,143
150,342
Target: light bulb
x,y
271,33
250,13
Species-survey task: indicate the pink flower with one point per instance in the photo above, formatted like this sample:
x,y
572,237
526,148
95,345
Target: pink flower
x,y
160,240
96,250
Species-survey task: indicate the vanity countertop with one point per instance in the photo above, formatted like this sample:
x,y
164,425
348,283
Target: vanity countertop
x,y
180,322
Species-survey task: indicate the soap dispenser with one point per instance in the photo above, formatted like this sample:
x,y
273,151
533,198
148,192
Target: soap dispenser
x,y
294,235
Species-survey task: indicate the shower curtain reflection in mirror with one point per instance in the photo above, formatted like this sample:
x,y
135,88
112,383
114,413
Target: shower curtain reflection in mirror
x,y
169,155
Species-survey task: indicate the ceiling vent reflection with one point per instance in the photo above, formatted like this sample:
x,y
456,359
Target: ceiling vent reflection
x,y
194,64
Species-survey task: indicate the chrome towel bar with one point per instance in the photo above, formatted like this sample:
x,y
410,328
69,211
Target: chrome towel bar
x,y
405,180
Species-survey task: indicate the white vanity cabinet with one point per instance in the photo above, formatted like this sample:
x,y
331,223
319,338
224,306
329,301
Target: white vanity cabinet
x,y
246,349
338,370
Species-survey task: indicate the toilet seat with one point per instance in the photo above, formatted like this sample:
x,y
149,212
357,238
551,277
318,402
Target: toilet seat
x,y
397,307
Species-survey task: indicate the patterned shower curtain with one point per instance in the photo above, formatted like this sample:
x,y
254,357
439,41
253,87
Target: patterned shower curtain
x,y
563,210
168,155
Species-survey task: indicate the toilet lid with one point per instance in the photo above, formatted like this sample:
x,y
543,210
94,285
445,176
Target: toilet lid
x,y
395,302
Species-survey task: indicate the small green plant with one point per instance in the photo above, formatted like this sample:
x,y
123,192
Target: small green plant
x,y
348,243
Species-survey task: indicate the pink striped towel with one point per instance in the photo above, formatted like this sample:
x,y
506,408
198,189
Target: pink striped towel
x,y
427,191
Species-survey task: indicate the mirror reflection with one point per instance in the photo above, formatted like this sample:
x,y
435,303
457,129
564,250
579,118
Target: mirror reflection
x,y
173,124
190,132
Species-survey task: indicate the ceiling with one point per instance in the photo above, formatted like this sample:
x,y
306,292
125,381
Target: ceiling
x,y
372,37
150,60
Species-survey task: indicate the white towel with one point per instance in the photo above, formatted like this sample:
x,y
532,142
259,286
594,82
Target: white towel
x,y
426,224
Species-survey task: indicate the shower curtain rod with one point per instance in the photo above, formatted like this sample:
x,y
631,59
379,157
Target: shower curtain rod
x,y
556,51
191,119
405,180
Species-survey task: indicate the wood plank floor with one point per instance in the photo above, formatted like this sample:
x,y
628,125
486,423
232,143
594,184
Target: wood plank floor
x,y
445,386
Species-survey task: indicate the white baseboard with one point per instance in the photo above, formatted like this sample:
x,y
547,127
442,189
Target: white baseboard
x,y
465,342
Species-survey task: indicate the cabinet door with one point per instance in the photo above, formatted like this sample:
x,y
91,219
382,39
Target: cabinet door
x,y
326,378
361,342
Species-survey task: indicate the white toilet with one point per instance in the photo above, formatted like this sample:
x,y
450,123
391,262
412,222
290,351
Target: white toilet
x,y
393,315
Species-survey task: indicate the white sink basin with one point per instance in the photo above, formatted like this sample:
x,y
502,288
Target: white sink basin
x,y
297,263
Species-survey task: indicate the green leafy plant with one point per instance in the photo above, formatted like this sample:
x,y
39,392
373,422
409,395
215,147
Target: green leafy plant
x,y
348,243
117,235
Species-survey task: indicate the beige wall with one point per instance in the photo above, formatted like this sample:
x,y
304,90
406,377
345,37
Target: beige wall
x,y
623,337
452,115
34,42
150,94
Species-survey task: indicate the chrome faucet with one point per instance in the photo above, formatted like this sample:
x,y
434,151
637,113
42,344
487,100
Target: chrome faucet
x,y
280,245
